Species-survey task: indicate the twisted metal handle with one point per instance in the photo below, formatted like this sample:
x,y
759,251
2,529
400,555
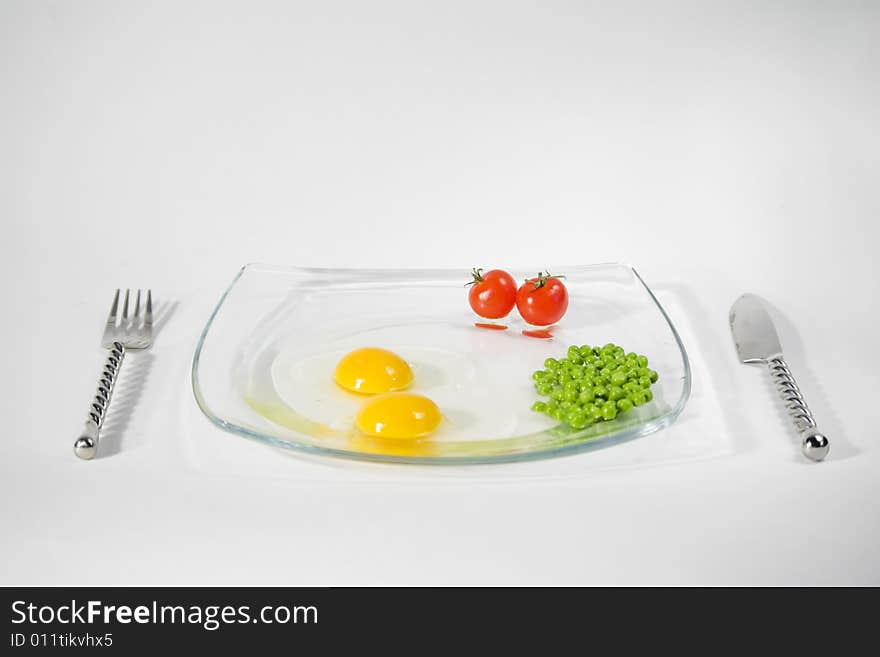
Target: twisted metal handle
x,y
815,444
86,445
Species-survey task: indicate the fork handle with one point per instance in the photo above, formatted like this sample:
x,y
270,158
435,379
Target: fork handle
x,y
815,444
86,445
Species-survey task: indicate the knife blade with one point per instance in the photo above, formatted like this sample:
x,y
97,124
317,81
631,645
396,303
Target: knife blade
x,y
753,331
757,341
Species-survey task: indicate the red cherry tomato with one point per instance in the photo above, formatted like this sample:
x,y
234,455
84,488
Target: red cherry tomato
x,y
542,300
492,294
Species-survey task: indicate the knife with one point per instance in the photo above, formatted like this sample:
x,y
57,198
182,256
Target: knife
x,y
757,342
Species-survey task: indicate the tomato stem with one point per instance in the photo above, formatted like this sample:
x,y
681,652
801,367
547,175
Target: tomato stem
x,y
477,273
542,278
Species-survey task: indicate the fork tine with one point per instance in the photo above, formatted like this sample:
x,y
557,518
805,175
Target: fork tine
x,y
110,326
125,307
137,305
148,314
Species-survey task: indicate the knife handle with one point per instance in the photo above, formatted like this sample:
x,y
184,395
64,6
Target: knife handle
x,y
815,444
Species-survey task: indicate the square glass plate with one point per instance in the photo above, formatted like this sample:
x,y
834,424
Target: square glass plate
x,y
263,367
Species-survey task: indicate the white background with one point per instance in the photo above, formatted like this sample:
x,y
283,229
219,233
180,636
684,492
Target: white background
x,y
719,147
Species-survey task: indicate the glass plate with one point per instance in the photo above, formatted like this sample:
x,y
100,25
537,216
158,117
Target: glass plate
x,y
263,367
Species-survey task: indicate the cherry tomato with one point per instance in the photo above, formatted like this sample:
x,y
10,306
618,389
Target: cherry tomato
x,y
542,300
492,294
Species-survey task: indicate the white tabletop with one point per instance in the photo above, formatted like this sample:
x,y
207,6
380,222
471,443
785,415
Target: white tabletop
x,y
718,149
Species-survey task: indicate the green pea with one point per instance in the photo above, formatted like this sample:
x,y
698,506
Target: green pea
x,y
609,410
576,418
592,384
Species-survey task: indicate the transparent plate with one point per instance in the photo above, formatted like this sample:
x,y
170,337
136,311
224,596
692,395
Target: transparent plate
x,y
263,367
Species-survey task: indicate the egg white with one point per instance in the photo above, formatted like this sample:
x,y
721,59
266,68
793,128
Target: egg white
x,y
480,397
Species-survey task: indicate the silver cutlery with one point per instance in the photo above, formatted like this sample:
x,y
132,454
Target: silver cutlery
x,y
129,332
757,342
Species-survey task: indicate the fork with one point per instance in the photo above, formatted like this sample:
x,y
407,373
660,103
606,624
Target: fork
x,y
135,332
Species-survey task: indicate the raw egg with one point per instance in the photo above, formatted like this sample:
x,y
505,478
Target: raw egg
x,y
398,415
371,370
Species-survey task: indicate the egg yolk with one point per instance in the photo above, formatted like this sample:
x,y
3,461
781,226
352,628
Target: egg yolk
x,y
398,415
371,370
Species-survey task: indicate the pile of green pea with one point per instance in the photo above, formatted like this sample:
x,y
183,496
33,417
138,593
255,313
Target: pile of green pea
x,y
593,384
